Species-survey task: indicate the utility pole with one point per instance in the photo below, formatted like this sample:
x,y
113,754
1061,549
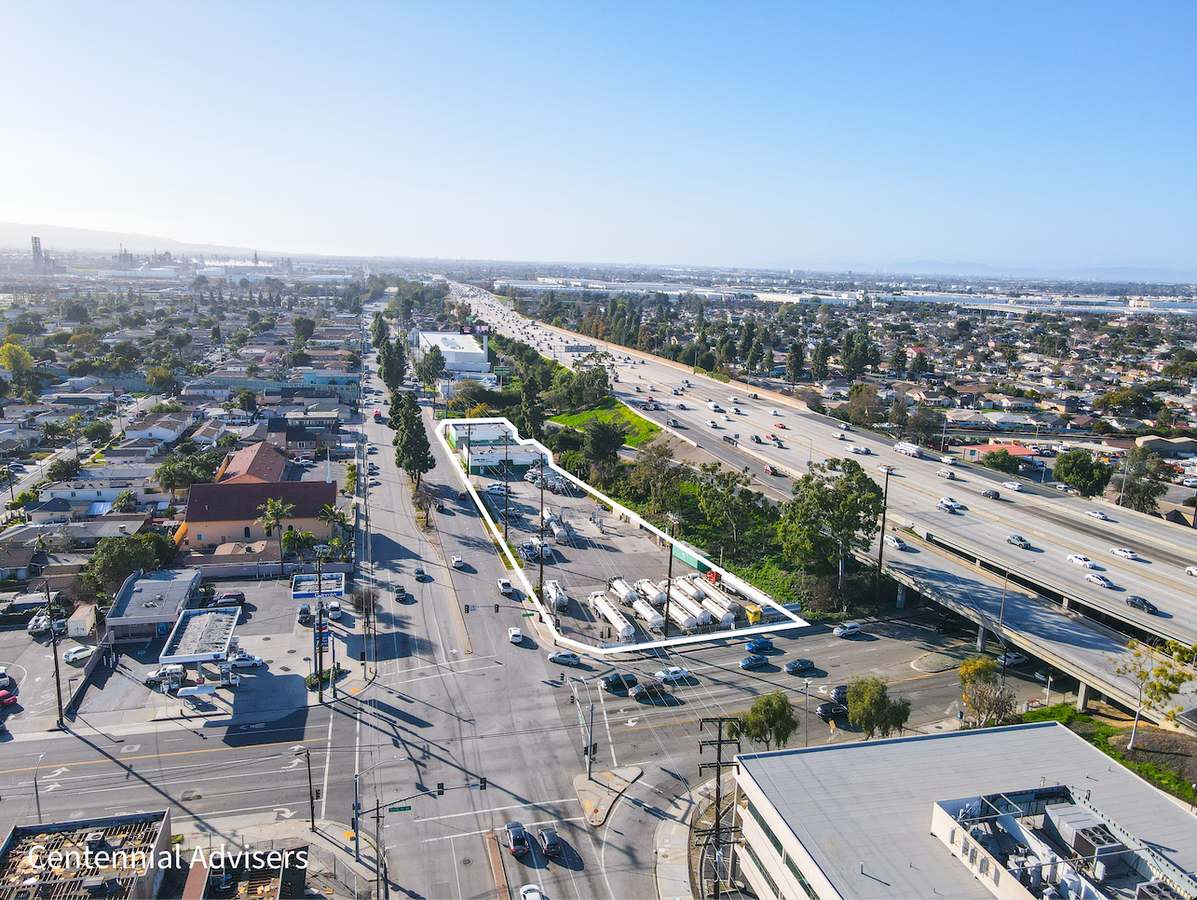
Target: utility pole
x,y
311,789
590,745
669,574
506,488
719,722
54,645
881,542
540,583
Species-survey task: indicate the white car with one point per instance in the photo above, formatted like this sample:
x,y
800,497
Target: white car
x,y
895,542
1012,485
840,436
1094,578
886,468
1191,570
1083,561
847,629
1124,552
948,460
458,562
334,609
504,586
530,892
78,654
672,674
727,418
774,412
515,635
711,423
243,660
1098,514
948,501
5,678
1010,659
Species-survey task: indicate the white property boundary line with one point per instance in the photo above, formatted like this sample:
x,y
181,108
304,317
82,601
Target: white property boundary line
x,y
545,617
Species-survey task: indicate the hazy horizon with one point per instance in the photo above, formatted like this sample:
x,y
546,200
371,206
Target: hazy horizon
x,y
778,136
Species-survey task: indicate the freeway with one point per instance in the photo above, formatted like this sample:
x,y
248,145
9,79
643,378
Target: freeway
x,y
1058,525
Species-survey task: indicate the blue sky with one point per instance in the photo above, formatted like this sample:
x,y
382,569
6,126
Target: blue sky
x,y
806,135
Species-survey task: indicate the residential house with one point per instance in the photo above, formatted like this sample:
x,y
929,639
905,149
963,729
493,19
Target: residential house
x,y
139,449
210,433
168,427
18,563
258,463
45,512
220,513
203,388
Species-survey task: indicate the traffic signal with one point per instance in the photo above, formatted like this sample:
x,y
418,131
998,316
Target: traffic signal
x,y
440,789
467,608
496,607
482,784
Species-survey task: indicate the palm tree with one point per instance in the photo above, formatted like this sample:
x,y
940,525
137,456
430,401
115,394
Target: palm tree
x,y
125,501
339,549
334,519
274,513
298,542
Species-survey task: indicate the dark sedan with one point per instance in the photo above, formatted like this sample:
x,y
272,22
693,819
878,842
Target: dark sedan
x,y
753,661
828,711
798,666
1142,603
759,645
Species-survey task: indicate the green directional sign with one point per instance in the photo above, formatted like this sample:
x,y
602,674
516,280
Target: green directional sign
x,y
399,809
528,614
502,371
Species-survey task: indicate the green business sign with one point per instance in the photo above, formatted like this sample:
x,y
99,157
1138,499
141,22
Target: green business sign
x,y
399,809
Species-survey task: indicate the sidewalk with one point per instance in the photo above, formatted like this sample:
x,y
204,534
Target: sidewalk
x,y
671,850
330,860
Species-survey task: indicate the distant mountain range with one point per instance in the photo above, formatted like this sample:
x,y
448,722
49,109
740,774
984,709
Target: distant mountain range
x,y
982,270
59,238
16,235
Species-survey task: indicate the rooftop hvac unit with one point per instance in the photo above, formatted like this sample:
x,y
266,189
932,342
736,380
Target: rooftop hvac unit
x,y
1157,890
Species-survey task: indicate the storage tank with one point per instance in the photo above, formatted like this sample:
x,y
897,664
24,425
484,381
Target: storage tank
x,y
556,594
559,532
682,618
721,617
747,591
547,514
726,603
601,607
690,588
623,591
650,592
648,615
677,598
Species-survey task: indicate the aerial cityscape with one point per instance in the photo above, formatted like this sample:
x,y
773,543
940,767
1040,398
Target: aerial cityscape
x,y
549,452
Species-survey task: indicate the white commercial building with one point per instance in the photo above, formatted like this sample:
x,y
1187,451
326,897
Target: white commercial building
x,y
462,352
1025,811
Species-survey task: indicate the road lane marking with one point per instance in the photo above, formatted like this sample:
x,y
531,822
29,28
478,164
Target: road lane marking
x,y
494,809
93,762
527,827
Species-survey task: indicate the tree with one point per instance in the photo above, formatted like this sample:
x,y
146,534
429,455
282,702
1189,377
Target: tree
x,y
602,442
336,520
795,362
923,425
431,366
770,720
1142,480
818,360
125,501
304,328
116,558
655,476
724,498
299,543
986,699
395,365
871,710
863,406
274,513
160,378
898,361
99,432
1078,469
64,468
17,360
1001,461
413,453
247,400
215,334
829,516
1157,678
531,415
919,365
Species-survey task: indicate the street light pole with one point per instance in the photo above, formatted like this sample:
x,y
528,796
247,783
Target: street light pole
x,y
807,742
357,854
669,576
37,797
54,645
311,789
881,542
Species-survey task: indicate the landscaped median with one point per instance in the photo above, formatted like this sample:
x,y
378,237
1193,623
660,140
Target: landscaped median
x,y
639,429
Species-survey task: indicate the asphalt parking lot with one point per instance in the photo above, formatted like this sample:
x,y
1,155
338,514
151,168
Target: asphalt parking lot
x,y
30,664
603,547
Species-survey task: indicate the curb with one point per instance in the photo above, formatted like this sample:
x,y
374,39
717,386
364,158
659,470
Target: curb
x,y
598,794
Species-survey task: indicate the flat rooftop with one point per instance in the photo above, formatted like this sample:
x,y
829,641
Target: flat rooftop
x,y
154,595
201,635
867,807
